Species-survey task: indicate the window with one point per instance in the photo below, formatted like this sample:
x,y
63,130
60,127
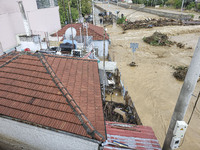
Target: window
x,y
46,3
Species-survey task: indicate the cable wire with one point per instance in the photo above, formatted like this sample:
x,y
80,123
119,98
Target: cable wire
x,y
194,108
191,115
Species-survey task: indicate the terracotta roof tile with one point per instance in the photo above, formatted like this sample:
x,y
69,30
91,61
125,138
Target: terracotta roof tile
x,y
29,93
95,31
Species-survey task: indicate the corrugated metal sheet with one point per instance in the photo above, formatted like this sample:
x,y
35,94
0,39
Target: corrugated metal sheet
x,y
134,136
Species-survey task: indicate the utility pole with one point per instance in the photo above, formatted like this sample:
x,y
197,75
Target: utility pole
x,y
182,5
93,12
104,72
185,95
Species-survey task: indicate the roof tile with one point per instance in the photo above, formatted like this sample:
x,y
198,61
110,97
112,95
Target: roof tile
x,y
28,93
95,31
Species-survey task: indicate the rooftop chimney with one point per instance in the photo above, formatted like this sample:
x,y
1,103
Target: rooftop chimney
x,y
25,20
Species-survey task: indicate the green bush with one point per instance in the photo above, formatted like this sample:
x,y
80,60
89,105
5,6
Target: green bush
x,y
174,3
191,5
192,15
121,20
198,6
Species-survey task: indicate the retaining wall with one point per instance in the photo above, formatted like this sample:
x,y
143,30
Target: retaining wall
x,y
159,13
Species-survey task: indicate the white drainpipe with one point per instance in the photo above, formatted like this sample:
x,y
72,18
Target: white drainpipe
x,y
25,20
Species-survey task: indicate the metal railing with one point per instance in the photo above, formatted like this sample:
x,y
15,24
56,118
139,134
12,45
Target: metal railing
x,y
86,40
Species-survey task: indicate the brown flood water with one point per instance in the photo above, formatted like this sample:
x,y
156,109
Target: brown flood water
x,y
151,84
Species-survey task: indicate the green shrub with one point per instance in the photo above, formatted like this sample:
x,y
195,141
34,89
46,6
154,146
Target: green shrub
x,y
198,6
174,3
121,20
192,15
191,5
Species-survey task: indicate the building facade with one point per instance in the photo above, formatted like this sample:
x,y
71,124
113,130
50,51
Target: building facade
x,y
42,15
87,30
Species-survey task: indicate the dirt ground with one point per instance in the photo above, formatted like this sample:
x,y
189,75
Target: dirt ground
x,y
151,84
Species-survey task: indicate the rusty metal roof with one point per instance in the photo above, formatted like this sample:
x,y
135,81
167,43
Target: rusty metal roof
x,y
130,136
56,92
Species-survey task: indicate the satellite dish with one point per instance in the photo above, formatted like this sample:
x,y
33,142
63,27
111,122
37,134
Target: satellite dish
x,y
70,32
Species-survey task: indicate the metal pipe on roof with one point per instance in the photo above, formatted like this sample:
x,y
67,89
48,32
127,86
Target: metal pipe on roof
x,y
71,24
80,35
25,20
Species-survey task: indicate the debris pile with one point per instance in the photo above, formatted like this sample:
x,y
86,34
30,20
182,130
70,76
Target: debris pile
x,y
158,39
149,23
133,64
180,45
180,72
118,112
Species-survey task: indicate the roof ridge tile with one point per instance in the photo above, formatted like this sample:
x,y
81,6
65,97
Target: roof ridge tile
x,y
83,119
10,60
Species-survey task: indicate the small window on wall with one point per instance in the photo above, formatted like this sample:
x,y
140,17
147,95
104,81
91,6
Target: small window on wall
x,y
46,3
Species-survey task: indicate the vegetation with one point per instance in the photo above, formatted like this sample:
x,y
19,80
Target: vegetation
x,y
150,2
188,4
158,39
121,20
74,5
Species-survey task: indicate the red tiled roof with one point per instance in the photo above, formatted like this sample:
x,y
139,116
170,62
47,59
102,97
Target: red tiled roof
x,y
57,92
95,31
133,136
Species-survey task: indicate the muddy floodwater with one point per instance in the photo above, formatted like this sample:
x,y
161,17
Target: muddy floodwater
x,y
151,84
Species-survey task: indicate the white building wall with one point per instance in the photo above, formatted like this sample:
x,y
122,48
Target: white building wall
x,y
42,139
7,36
100,46
11,23
44,20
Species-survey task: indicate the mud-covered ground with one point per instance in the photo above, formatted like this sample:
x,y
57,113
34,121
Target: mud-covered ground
x,y
151,84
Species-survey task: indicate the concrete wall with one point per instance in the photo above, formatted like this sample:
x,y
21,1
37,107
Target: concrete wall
x,y
44,20
7,33
11,6
159,13
100,46
43,139
11,23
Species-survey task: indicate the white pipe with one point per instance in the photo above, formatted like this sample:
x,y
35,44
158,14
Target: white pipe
x,y
80,35
25,20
